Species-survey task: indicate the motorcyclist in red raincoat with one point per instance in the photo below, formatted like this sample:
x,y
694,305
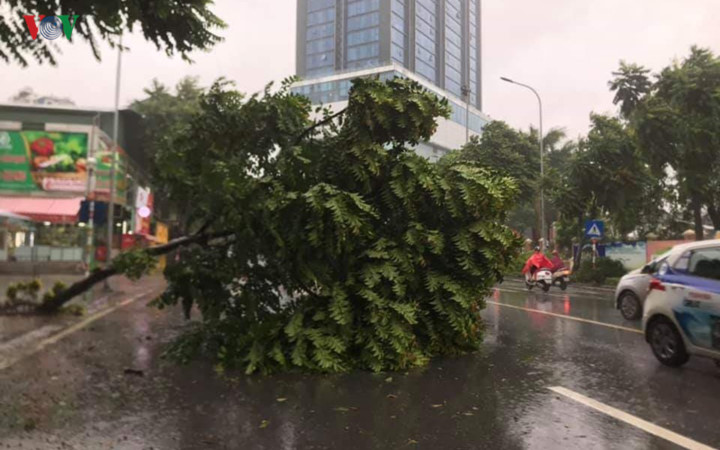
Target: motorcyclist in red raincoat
x,y
537,261
557,262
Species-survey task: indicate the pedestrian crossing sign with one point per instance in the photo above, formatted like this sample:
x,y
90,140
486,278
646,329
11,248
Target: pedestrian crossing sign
x,y
594,228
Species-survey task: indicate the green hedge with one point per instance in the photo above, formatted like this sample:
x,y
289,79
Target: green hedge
x,y
605,270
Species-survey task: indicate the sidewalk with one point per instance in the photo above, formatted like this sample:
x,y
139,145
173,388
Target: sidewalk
x,y
98,298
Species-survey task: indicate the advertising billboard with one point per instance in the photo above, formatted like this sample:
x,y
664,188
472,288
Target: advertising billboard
x,y
32,161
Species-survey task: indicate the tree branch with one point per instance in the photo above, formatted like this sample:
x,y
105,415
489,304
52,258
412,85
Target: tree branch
x,y
94,278
316,125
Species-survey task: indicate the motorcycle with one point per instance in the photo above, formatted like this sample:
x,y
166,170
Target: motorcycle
x,y
543,278
561,277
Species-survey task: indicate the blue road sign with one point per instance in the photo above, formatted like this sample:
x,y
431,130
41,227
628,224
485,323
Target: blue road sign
x,y
594,228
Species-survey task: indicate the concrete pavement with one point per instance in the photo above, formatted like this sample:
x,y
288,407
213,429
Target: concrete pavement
x,y
543,380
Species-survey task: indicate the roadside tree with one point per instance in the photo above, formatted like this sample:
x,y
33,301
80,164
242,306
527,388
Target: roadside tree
x,y
330,245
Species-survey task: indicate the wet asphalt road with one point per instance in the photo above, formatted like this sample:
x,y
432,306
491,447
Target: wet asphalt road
x,y
75,393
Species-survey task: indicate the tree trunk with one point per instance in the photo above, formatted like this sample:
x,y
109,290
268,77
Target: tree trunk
x,y
581,231
714,214
100,275
696,206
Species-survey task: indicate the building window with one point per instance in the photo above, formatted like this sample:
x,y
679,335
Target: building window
x,y
362,51
364,63
319,60
362,7
361,37
453,86
363,21
321,31
322,16
425,69
398,53
320,45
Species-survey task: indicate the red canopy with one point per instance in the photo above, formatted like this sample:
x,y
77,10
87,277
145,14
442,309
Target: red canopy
x,y
55,210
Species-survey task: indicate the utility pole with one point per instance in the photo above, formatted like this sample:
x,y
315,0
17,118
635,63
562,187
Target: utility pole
x,y
113,157
542,163
90,197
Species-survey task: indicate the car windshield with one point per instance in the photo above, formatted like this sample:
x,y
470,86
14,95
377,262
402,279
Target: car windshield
x,y
653,266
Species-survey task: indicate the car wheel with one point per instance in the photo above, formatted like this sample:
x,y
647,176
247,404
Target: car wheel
x,y
630,306
666,343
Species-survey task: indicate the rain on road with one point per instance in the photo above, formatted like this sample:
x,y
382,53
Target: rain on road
x,y
541,381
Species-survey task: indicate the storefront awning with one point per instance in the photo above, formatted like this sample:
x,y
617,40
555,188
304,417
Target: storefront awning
x,y
54,210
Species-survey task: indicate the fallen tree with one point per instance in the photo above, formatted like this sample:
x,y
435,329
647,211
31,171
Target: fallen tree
x,y
325,245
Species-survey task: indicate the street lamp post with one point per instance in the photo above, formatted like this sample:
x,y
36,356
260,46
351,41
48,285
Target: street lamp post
x,y
113,156
542,163
90,199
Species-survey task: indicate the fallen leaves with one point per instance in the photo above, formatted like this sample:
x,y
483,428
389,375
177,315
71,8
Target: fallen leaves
x,y
280,399
345,409
264,424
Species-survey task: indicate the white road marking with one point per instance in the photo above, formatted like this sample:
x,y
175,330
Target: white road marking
x,y
4,364
14,344
565,316
644,425
584,294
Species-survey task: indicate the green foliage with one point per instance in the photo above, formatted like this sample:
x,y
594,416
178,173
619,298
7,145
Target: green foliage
x,y
509,151
22,293
676,121
172,25
163,110
134,263
606,178
605,268
516,154
630,85
339,248
58,287
74,310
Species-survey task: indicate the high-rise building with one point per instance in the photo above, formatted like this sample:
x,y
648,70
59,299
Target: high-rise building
x,y
435,42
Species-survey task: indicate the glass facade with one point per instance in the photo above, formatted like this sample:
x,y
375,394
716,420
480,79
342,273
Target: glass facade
x,y
398,37
438,40
362,41
320,42
453,46
472,59
337,91
426,38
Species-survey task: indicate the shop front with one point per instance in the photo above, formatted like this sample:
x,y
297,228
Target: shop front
x,y
45,180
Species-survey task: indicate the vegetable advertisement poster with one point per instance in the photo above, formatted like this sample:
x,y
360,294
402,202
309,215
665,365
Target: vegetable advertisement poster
x,y
54,162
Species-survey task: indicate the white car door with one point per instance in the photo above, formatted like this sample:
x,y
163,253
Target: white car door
x,y
696,287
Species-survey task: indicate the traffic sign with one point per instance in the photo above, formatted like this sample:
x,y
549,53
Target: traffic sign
x,y
594,228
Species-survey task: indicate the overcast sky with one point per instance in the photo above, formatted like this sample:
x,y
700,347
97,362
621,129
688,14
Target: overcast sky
x,y
566,49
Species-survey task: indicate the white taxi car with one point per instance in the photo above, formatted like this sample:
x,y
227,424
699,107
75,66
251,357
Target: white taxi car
x,y
681,314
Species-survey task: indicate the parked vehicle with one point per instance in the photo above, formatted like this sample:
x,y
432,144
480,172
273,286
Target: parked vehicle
x,y
632,289
542,278
561,277
682,310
